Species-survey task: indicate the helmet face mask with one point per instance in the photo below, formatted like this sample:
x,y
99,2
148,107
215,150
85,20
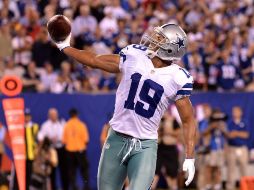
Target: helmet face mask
x,y
154,41
168,42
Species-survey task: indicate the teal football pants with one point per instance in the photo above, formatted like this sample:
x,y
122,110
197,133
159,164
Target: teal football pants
x,y
115,162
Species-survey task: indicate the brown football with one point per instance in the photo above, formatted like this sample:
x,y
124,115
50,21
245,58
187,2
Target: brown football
x,y
59,27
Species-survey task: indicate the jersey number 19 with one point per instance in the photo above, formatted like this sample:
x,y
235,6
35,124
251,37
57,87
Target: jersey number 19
x,y
152,101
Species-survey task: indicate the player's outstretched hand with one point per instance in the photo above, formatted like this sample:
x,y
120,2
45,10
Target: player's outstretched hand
x,y
64,44
189,167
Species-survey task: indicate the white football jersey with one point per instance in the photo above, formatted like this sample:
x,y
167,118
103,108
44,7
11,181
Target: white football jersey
x,y
145,93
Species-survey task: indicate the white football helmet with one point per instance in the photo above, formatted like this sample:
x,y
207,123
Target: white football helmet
x,y
168,42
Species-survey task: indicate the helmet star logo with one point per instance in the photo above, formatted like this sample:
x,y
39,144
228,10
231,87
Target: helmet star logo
x,y
179,43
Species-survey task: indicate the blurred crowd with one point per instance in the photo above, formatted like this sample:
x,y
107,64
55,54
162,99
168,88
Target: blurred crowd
x,y
222,153
222,141
55,145
220,33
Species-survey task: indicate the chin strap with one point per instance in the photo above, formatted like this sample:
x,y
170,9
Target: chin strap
x,y
151,54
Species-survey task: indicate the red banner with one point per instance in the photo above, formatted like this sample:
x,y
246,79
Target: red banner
x,y
14,114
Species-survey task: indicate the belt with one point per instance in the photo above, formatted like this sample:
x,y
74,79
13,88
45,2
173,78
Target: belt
x,y
123,135
128,136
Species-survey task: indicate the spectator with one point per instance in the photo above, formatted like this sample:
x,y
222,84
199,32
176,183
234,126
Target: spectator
x,y
107,82
76,138
31,21
86,87
238,135
196,69
117,11
5,16
11,7
53,129
94,78
5,41
65,82
99,46
216,131
31,130
12,69
121,38
131,6
42,49
69,14
22,45
136,32
246,62
49,11
203,147
31,78
108,25
2,136
85,24
47,77
45,160
97,9
251,31
193,15
84,27
228,73
168,152
209,61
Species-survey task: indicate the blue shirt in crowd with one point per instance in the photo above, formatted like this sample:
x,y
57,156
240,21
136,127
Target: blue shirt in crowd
x,y
228,74
242,126
202,126
217,139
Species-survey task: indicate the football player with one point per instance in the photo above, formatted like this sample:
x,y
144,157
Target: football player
x,y
151,80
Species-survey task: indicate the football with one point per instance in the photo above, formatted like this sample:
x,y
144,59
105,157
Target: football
x,y
59,27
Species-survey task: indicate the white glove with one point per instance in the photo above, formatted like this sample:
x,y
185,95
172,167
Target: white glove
x,y
188,166
64,44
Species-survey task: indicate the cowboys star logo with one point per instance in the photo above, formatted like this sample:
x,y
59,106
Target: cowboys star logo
x,y
179,43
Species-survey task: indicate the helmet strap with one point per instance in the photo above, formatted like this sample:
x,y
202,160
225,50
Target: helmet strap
x,y
151,54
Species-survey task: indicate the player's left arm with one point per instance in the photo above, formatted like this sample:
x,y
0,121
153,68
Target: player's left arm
x,y
185,111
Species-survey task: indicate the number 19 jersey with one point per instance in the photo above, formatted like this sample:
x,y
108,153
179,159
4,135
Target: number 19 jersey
x,y
145,93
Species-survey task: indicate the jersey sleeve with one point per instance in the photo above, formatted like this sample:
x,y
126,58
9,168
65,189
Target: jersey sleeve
x,y
123,56
131,56
183,84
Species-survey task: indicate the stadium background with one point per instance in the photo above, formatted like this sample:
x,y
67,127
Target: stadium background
x,y
220,54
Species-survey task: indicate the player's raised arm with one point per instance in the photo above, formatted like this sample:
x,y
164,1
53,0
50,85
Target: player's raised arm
x,y
59,29
109,63
185,111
